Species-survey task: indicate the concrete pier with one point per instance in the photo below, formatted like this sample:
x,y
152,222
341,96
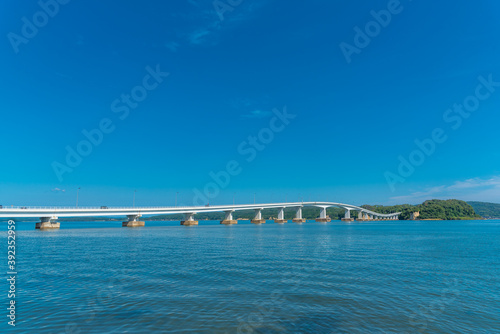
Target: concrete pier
x,y
281,217
258,217
133,221
47,223
228,219
347,216
298,216
189,220
323,218
229,222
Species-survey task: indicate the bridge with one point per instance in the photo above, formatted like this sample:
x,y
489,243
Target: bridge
x,y
48,215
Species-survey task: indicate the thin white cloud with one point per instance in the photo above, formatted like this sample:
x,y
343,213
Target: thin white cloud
x,y
194,3
475,189
58,190
198,37
172,46
257,114
476,183
208,25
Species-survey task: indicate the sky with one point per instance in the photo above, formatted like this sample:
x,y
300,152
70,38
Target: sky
x,y
157,102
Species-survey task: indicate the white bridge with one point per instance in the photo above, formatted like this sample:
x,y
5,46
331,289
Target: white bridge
x,y
49,215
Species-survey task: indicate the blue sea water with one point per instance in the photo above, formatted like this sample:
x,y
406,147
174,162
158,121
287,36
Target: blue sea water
x,y
360,277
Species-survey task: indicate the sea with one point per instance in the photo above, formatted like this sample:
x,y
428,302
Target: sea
x,y
337,277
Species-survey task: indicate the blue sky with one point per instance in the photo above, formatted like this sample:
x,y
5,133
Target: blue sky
x,y
212,83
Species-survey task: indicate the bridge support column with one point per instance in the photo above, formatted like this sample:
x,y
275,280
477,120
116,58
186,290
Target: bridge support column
x,y
322,216
133,221
228,219
298,216
347,216
258,217
281,217
360,216
189,219
48,223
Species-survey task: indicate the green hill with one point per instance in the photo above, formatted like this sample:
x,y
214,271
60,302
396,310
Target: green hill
x,y
451,209
486,210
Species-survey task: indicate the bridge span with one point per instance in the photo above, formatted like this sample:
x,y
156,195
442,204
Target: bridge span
x,y
48,215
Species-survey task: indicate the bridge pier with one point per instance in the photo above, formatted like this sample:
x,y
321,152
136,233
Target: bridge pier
x,y
189,219
47,223
258,217
133,222
360,216
228,219
322,216
298,216
347,216
281,217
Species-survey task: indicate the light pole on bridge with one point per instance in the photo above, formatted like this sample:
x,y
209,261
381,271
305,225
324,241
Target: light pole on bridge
x,y
177,193
77,190
133,202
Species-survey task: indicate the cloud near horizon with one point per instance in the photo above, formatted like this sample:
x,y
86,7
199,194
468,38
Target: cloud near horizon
x,y
475,189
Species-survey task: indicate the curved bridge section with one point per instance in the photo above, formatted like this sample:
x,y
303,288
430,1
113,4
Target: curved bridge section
x,y
48,215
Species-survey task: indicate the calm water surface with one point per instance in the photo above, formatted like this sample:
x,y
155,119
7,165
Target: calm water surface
x,y
380,277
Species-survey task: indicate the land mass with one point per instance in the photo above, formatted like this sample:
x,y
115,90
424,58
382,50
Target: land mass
x,y
486,210
451,209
